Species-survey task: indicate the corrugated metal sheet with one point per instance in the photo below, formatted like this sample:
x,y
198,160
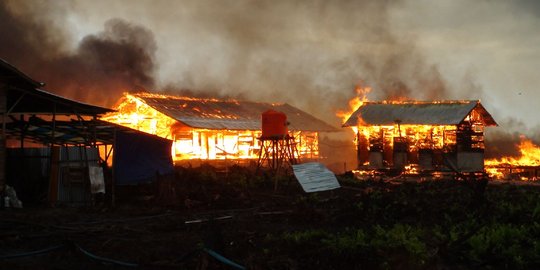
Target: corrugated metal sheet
x,y
73,179
76,155
313,177
424,113
73,185
68,132
229,114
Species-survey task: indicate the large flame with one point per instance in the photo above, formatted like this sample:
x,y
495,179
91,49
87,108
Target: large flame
x,y
516,167
196,143
530,155
402,143
354,103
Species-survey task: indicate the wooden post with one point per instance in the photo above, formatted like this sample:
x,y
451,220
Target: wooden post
x,y
113,175
359,161
54,174
3,105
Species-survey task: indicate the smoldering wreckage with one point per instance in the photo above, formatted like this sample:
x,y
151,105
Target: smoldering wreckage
x,y
60,152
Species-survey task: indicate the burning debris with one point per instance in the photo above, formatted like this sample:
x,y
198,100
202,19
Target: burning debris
x,y
212,129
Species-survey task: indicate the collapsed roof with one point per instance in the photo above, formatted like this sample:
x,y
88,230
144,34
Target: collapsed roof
x,y
417,113
228,114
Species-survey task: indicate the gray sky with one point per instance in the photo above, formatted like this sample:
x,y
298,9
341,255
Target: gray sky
x,y
493,44
312,54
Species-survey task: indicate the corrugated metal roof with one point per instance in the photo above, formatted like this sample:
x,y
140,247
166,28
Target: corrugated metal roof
x,y
68,132
23,96
10,75
417,113
42,102
229,114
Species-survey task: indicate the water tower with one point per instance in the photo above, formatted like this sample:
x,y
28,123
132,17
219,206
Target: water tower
x,y
278,148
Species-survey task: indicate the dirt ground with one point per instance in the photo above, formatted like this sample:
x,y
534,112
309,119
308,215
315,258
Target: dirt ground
x,y
207,219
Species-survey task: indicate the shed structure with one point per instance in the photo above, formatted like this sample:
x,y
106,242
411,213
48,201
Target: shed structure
x,y
432,135
36,125
204,129
52,144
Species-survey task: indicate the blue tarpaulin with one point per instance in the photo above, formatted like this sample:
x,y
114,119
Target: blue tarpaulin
x,y
140,158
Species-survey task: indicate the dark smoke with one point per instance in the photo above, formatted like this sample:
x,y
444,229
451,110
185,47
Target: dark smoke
x,y
311,55
118,59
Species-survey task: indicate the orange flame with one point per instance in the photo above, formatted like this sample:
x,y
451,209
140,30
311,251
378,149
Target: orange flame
x,y
196,143
530,155
515,167
409,138
354,103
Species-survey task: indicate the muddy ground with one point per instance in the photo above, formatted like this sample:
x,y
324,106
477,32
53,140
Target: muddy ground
x,y
186,221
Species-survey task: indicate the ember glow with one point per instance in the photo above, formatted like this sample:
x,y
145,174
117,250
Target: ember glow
x,y
139,111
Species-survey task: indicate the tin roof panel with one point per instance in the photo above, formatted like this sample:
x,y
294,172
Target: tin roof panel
x,y
229,114
417,113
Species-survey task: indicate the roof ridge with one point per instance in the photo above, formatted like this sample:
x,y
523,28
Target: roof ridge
x,y
420,102
176,97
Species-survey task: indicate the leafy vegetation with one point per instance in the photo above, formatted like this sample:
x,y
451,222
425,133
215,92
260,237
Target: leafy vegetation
x,y
405,224
433,224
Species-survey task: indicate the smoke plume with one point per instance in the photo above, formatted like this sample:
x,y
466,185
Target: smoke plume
x,y
310,54
119,58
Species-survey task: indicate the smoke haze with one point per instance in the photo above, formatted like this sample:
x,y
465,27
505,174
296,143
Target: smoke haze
x,y
310,54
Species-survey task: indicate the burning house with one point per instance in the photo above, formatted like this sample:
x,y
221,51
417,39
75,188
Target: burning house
x,y
213,129
422,136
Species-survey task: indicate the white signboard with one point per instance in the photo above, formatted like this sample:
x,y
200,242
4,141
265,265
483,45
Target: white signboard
x,y
97,184
314,176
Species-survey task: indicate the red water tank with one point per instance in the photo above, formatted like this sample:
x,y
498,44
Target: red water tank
x,y
274,125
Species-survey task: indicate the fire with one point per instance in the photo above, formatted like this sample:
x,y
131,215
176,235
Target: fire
x,y
135,114
521,167
429,139
197,143
355,102
530,155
